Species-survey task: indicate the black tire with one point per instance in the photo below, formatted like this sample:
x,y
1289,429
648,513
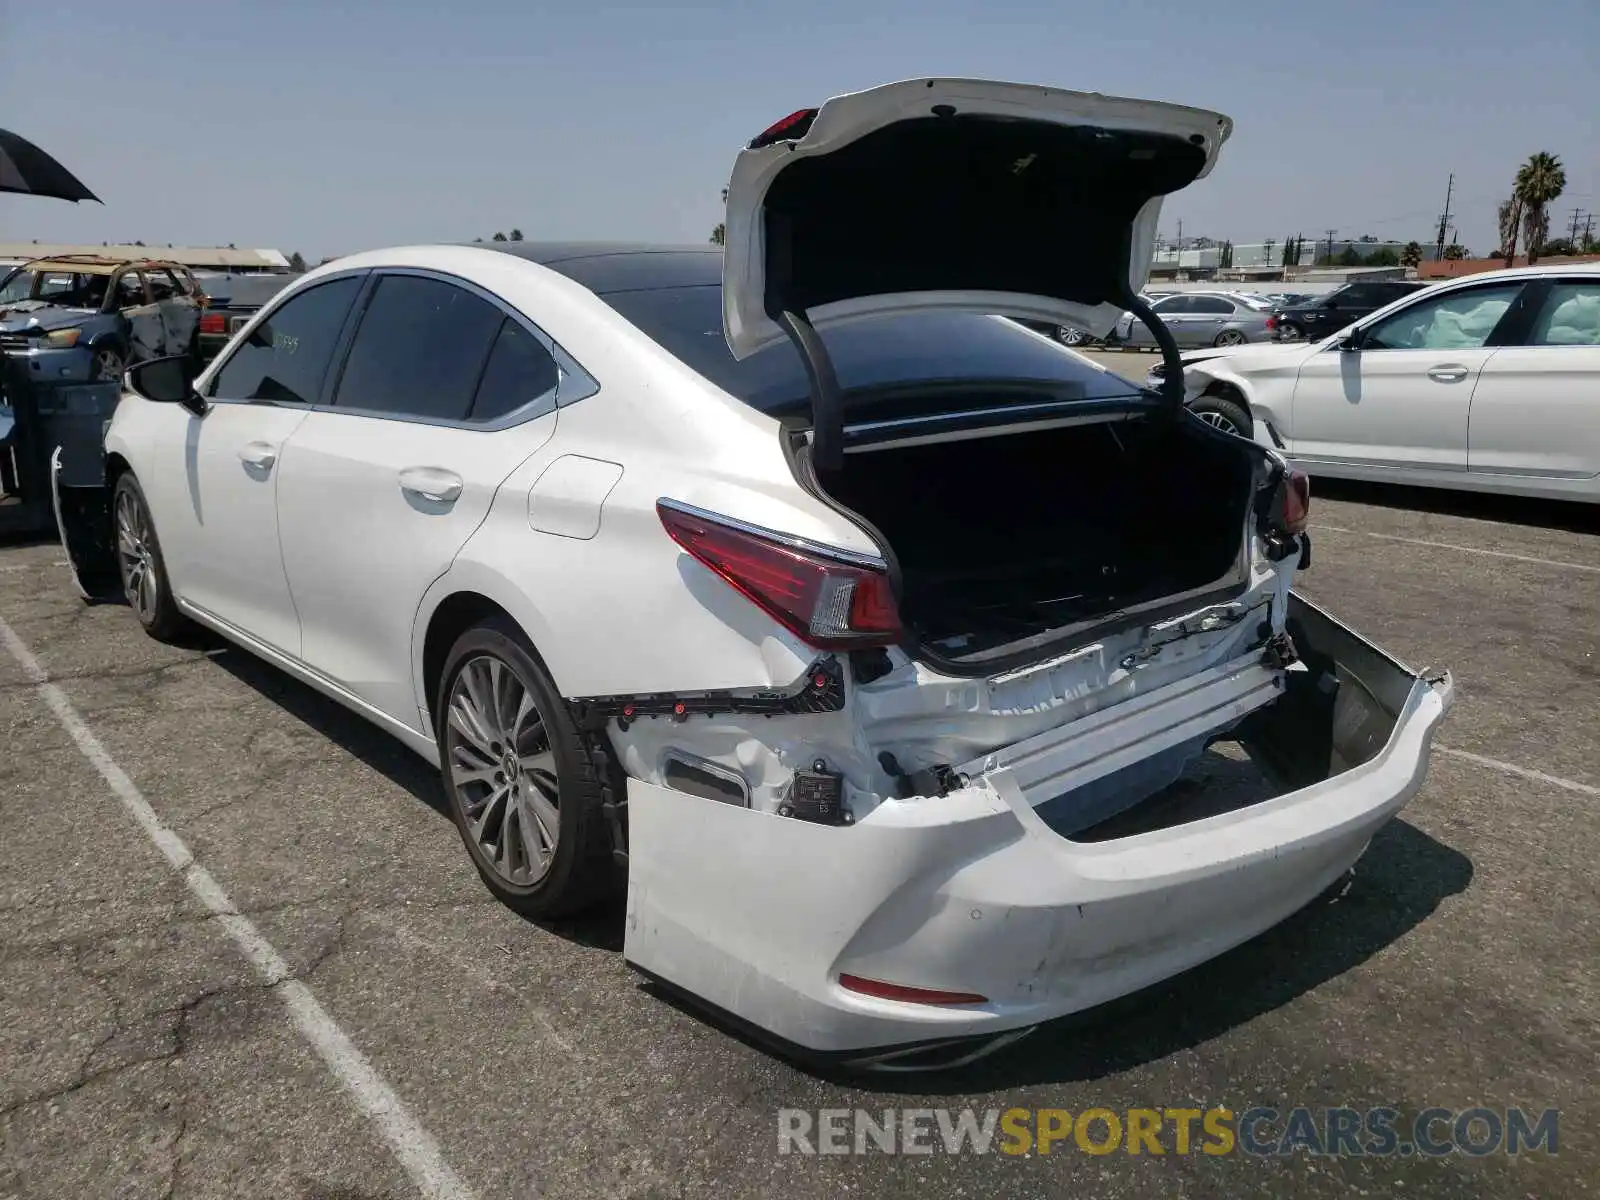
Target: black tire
x,y
1221,412
1230,337
1293,332
157,609
581,871
1068,336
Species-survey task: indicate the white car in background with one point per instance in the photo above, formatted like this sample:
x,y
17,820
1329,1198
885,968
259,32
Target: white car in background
x,y
857,627
1487,383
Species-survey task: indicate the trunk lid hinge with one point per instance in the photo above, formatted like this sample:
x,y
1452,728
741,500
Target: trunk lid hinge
x,y
1171,360
827,407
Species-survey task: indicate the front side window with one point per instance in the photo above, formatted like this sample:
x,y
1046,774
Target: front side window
x,y
286,355
1570,317
419,351
1457,321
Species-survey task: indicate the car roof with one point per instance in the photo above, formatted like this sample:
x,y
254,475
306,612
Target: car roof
x,y
91,264
620,266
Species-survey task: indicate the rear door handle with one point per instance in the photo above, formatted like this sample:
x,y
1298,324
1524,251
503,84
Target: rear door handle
x,y
258,454
1448,374
431,483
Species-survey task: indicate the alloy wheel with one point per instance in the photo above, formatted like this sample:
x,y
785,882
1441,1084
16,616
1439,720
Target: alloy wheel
x,y
135,558
503,770
1230,337
1218,421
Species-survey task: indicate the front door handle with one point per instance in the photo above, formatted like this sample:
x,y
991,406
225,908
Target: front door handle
x,y
1449,373
431,483
258,454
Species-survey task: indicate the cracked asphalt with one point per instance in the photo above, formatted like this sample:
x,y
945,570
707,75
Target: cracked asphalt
x,y
141,1055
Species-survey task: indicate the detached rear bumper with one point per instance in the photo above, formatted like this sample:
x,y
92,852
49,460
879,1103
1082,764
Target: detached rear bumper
x,y
973,892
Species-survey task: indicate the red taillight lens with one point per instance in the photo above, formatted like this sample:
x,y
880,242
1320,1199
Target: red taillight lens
x,y
213,323
1272,322
1294,501
912,995
793,127
827,603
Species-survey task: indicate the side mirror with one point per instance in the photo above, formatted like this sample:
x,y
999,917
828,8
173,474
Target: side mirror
x,y
167,381
1351,340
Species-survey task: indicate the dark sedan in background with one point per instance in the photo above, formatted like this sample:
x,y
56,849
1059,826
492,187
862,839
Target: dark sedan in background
x,y
1318,316
234,299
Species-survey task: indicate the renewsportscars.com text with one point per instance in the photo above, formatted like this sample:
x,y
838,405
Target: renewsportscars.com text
x,y
1258,1131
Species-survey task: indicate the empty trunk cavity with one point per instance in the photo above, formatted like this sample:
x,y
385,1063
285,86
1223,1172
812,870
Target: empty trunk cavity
x,y
1009,541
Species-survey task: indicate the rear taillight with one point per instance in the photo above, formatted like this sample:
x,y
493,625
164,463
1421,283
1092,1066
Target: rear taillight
x,y
825,601
1272,322
1292,506
213,323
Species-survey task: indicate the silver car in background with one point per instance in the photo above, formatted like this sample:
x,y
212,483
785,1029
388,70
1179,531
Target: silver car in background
x,y
1202,319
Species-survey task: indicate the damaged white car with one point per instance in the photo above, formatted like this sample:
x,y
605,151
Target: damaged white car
x,y
859,627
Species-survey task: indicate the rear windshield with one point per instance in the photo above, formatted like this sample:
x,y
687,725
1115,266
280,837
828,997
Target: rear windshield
x,y
868,355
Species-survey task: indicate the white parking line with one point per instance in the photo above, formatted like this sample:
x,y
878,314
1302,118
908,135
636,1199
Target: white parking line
x,y
1571,785
413,1145
1410,541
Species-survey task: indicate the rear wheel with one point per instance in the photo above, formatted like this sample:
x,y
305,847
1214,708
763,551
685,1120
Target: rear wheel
x,y
1069,336
526,791
1230,337
140,567
1224,413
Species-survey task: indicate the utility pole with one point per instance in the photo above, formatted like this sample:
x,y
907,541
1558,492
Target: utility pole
x,y
1577,215
1331,232
1444,221
1588,228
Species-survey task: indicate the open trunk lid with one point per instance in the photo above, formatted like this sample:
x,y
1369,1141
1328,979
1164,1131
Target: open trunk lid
x,y
955,194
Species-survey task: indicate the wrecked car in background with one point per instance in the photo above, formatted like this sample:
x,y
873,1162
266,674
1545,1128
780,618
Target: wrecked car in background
x,y
85,318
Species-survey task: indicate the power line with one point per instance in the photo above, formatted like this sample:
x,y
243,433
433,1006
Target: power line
x,y
1444,221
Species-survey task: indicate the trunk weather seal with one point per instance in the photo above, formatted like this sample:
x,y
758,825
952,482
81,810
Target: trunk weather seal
x,y
827,405
1171,357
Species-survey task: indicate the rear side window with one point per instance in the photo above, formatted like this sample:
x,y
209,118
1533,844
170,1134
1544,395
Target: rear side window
x,y
287,354
1174,304
520,371
419,350
1571,316
1209,304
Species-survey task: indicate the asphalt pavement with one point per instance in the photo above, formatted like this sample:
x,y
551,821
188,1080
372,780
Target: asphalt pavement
x,y
415,1037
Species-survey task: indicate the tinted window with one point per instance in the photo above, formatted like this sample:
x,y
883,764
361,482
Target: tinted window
x,y
520,370
868,354
1210,304
286,356
1457,321
1174,304
1359,294
1571,316
419,349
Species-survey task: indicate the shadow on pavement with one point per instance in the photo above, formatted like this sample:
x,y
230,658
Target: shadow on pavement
x,y
1567,515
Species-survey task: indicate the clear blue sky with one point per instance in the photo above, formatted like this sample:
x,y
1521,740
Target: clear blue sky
x,y
327,127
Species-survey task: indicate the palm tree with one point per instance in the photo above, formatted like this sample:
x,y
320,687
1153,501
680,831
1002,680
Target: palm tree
x,y
719,232
1411,255
1454,252
1540,181
1509,216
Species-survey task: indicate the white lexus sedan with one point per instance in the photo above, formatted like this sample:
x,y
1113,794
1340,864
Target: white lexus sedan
x,y
1487,383
857,629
